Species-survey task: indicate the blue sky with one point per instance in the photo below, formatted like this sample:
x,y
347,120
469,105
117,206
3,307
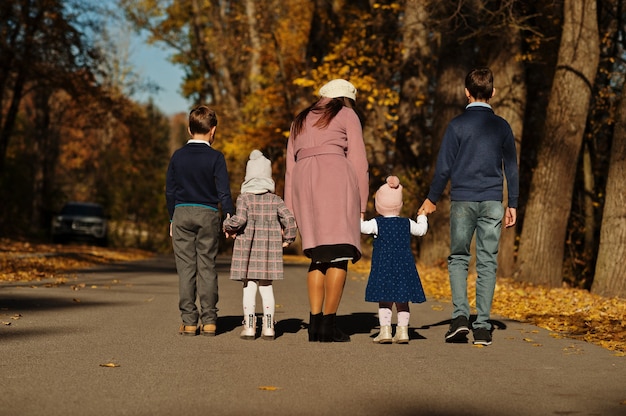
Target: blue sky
x,y
150,63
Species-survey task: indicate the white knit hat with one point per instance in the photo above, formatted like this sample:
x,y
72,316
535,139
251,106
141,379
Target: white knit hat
x,y
388,198
258,178
338,88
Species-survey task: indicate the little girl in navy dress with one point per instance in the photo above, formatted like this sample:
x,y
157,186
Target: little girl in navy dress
x,y
393,276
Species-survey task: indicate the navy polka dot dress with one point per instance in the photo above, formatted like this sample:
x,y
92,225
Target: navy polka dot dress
x,y
393,276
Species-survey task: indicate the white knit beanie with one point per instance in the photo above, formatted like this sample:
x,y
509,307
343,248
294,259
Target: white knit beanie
x,y
388,198
338,88
258,178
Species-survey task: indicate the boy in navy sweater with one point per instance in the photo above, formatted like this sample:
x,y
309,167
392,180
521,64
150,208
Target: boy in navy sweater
x,y
475,147
196,186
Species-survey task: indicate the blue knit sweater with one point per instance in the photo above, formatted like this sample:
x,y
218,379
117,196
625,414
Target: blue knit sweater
x,y
477,149
197,175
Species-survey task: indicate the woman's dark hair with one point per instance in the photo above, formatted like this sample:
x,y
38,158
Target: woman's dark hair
x,y
328,110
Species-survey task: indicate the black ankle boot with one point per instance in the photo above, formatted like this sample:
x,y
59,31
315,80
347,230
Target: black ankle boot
x,y
329,332
314,326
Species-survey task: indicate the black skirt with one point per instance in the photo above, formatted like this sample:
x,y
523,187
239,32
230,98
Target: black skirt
x,y
333,252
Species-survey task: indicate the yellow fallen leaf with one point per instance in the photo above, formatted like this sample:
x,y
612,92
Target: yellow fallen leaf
x,y
478,345
527,339
268,388
537,345
109,365
6,323
76,300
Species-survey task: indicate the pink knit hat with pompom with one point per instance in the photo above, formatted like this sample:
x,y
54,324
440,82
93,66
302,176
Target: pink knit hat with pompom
x,y
388,198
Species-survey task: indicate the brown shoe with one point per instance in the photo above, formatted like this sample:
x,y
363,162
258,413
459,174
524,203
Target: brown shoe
x,y
208,330
188,329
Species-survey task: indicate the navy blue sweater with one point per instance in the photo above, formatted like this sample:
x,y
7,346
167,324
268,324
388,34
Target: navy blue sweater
x,y
477,148
197,175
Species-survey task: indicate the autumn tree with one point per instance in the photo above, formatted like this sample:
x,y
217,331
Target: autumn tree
x,y
467,27
609,279
40,45
545,223
417,69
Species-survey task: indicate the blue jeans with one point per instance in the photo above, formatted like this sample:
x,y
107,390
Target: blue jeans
x,y
484,219
195,239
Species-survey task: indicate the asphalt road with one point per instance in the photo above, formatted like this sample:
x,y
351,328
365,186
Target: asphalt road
x,y
59,338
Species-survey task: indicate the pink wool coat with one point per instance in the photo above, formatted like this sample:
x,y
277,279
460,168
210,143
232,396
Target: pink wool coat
x,y
326,180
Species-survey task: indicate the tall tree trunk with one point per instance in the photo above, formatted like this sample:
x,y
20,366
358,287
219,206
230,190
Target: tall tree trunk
x,y
450,102
416,67
254,71
609,279
548,208
509,103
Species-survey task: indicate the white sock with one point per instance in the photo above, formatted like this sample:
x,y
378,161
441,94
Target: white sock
x,y
249,298
384,316
403,318
267,295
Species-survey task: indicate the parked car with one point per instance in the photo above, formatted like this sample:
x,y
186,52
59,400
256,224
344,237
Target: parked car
x,y
83,221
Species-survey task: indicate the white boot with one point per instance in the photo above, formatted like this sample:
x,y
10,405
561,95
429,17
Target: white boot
x,y
249,327
384,336
402,335
268,327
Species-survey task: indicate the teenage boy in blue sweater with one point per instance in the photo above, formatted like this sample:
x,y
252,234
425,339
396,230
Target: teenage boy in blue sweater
x,y
477,148
196,186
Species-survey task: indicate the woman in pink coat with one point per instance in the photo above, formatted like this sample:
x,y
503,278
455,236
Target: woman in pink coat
x,y
326,187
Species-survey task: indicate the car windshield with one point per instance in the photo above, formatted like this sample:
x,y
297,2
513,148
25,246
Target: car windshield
x,y
83,210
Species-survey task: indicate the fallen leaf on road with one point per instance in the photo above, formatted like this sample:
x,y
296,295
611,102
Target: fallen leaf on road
x,y
109,365
6,323
268,388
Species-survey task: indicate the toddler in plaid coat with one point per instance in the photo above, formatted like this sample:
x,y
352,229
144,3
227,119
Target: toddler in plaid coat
x,y
262,226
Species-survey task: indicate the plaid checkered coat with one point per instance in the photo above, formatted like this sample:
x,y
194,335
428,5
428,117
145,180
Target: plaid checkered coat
x,y
262,223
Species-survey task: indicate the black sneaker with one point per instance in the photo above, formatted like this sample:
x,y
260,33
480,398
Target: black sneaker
x,y
459,328
482,336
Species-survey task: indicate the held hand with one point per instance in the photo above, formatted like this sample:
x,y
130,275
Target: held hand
x,y
427,208
170,229
510,217
285,244
226,233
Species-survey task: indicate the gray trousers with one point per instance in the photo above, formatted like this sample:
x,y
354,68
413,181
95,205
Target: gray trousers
x,y
195,239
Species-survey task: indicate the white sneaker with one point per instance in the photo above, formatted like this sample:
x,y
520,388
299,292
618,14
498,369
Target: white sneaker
x,y
384,336
249,327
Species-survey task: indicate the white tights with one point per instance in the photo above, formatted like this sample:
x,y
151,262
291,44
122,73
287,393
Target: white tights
x,y
266,290
385,312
